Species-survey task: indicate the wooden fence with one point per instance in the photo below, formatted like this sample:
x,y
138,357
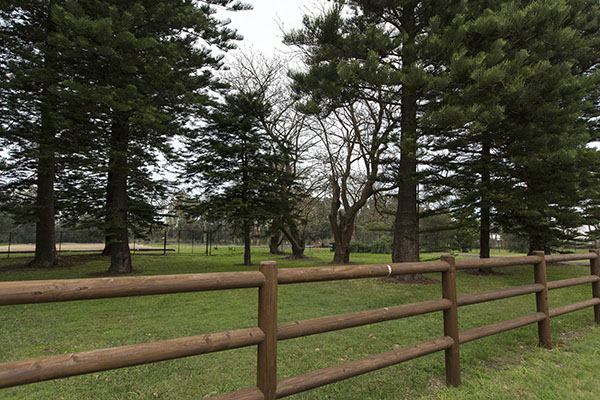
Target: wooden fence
x,y
269,332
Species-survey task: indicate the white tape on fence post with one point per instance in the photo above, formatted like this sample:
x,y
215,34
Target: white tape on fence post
x,y
389,270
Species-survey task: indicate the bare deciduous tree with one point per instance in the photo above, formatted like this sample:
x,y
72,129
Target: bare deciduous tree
x,y
354,140
253,71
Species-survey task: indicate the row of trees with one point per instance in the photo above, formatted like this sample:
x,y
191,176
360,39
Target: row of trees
x,y
491,106
482,112
92,94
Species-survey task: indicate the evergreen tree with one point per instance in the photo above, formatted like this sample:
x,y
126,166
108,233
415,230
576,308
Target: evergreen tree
x,y
145,68
32,125
238,167
520,84
107,83
384,46
354,118
395,36
256,73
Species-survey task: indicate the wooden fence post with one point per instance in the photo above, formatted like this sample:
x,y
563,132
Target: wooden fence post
x,y
541,301
267,321
595,270
451,323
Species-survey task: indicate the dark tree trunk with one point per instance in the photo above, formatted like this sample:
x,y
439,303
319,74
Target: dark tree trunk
x,y
341,254
298,251
342,224
247,249
297,241
120,256
106,249
108,240
484,223
274,243
45,231
484,232
45,234
342,232
536,243
406,224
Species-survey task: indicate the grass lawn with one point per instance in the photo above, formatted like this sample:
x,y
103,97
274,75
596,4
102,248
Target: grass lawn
x,y
504,366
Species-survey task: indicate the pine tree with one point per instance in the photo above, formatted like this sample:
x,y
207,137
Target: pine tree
x,y
257,73
31,122
239,167
403,62
145,68
512,121
384,46
105,85
353,118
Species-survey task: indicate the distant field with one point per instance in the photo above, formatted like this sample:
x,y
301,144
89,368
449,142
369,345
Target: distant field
x,y
70,246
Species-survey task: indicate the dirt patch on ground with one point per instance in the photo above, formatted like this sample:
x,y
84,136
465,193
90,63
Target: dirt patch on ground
x,y
507,360
576,334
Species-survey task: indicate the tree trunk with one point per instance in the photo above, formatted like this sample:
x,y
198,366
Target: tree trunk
x,y
406,224
484,232
120,256
536,243
297,241
341,254
108,210
342,233
298,251
106,249
274,243
247,249
45,234
484,224
45,231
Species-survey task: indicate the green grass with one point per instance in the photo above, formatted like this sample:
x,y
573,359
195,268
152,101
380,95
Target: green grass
x,y
504,366
496,252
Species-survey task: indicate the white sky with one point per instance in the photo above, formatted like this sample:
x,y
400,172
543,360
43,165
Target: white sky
x,y
262,26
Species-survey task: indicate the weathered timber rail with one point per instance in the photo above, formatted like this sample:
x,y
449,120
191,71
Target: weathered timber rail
x,y
269,332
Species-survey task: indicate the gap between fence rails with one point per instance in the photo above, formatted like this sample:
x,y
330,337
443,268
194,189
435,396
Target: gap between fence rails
x,y
269,331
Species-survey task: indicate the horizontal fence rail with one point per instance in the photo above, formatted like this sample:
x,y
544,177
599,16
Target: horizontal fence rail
x,y
496,262
28,292
42,369
291,330
475,298
300,275
268,332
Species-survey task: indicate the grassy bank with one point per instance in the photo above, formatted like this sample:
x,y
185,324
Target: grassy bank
x,y
502,366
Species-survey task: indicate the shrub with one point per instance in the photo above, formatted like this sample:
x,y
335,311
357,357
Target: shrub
x,y
383,245
359,247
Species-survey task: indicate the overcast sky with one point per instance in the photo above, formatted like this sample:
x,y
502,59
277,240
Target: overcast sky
x,y
262,26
